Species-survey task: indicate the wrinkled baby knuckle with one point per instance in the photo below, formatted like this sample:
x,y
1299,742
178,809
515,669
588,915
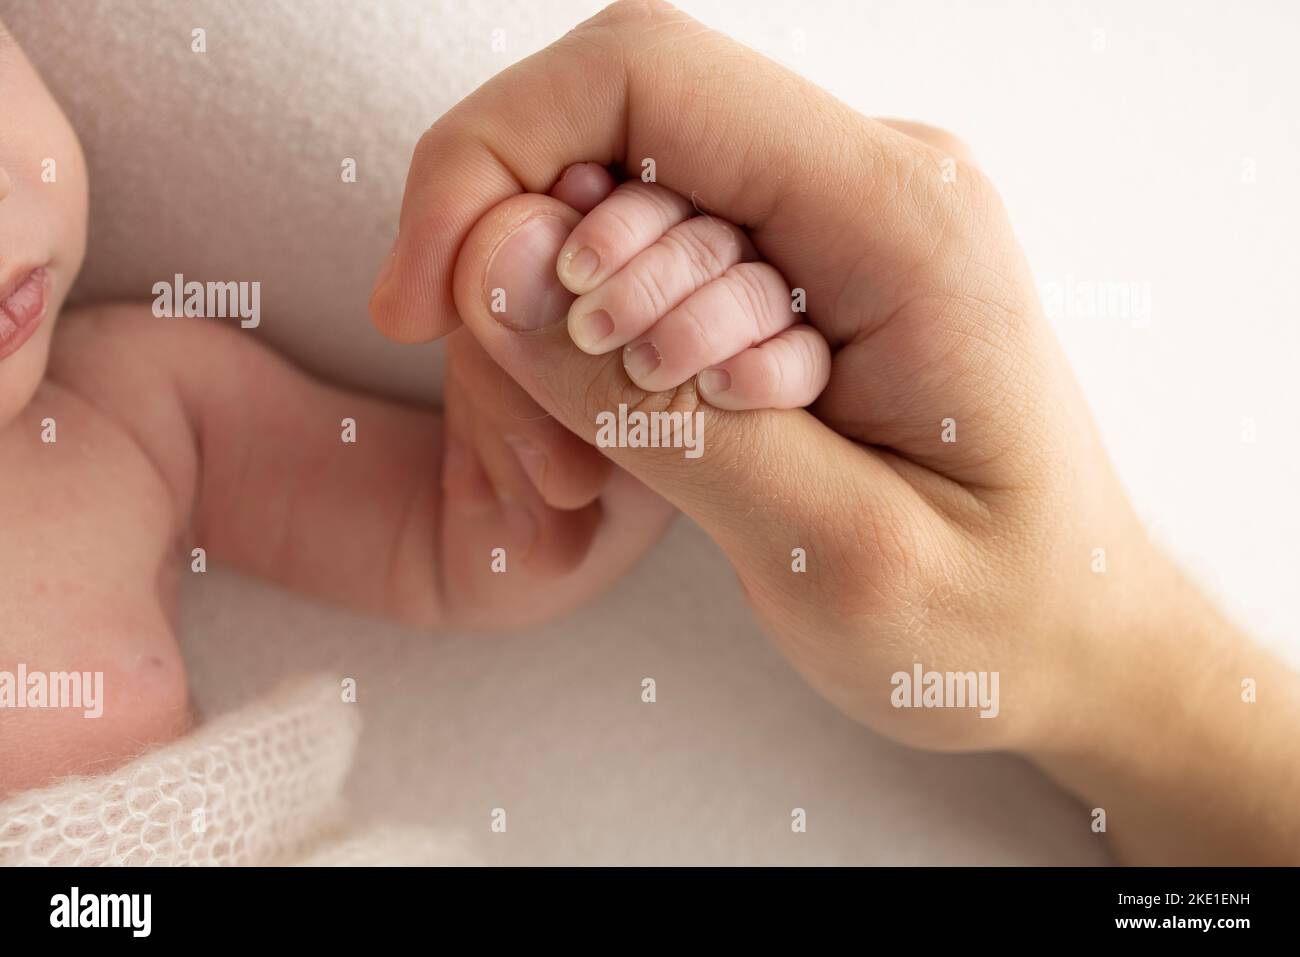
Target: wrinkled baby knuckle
x,y
750,283
648,287
708,244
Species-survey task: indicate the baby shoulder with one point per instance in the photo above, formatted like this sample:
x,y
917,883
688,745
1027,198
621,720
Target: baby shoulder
x,y
127,330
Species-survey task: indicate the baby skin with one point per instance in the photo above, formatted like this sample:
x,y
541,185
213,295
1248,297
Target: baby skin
x,y
128,442
677,297
685,296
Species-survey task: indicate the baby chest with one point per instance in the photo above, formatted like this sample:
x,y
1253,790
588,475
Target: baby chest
x,y
78,497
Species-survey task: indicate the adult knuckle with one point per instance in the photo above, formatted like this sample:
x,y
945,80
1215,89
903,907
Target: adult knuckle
x,y
636,13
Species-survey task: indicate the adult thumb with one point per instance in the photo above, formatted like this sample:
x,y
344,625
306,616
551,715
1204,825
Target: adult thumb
x,y
760,483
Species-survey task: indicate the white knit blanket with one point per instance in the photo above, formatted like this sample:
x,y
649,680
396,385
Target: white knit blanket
x,y
257,786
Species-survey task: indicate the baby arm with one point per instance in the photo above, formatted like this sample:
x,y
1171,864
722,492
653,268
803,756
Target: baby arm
x,y
271,472
328,492
185,434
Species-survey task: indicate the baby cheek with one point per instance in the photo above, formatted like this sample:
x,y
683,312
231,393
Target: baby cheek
x,y
71,213
59,185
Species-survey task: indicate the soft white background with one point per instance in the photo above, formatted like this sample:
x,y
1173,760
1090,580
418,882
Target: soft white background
x,y
1118,164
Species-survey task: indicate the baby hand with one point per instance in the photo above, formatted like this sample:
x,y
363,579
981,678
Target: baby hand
x,y
573,520
685,295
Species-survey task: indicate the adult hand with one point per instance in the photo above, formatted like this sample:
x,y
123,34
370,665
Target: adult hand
x,y
949,489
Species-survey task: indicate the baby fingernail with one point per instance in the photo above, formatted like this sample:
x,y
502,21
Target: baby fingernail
x,y
640,361
714,381
589,330
523,292
578,267
531,459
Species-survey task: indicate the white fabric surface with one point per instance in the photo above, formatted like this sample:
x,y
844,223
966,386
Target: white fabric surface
x,y
226,166
260,785
550,726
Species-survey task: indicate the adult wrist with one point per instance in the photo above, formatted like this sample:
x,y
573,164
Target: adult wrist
x,y
1170,747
